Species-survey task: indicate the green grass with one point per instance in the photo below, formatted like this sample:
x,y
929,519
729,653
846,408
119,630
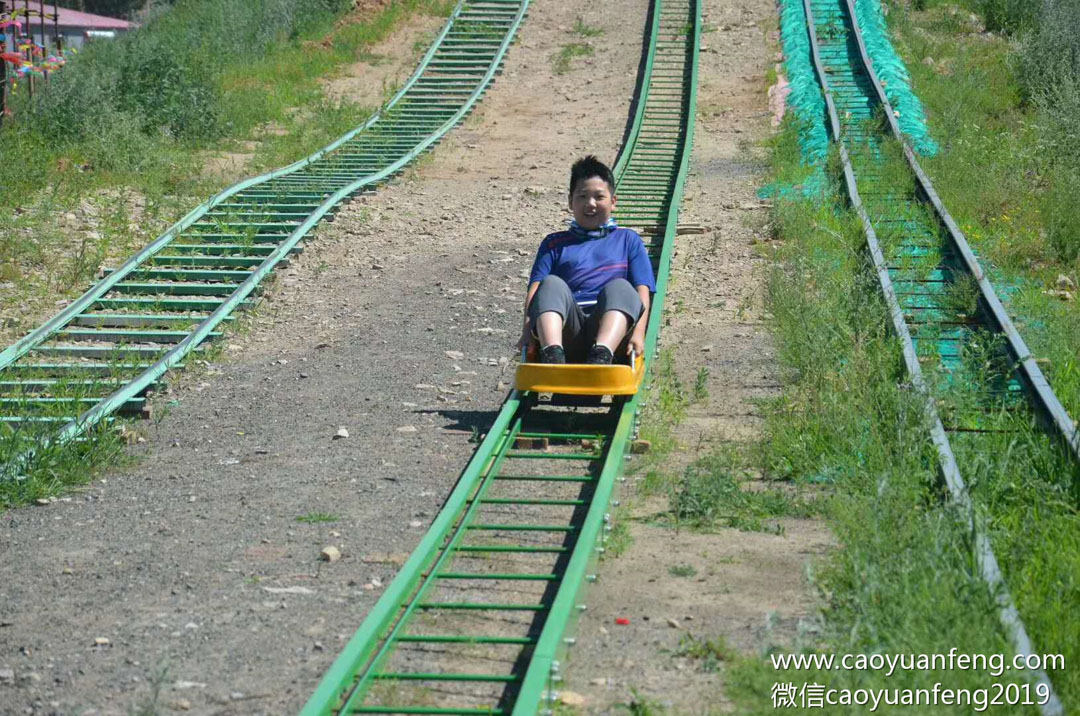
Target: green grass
x,y
903,580
580,28
317,518
641,706
563,60
682,570
53,469
619,539
715,491
709,653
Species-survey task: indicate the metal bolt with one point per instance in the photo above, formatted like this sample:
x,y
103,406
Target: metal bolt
x,y
570,640
590,577
601,550
607,517
582,607
616,503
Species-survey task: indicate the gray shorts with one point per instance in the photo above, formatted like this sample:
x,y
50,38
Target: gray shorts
x,y
580,323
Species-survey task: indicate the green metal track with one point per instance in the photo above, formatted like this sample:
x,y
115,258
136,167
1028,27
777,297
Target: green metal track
x,y
108,348
477,618
943,308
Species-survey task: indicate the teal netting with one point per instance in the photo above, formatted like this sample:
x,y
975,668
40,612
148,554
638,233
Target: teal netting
x,y
894,76
805,100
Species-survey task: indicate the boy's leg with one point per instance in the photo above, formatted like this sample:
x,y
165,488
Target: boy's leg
x,y
556,318
618,308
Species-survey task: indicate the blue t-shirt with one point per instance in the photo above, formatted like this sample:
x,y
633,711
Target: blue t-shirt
x,y
587,264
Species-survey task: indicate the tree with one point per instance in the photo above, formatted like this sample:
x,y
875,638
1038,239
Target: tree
x,y
110,8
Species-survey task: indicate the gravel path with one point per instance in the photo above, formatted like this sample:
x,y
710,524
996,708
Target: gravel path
x,y
189,574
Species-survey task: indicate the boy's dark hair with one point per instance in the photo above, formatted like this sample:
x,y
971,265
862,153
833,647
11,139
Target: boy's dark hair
x,y
587,168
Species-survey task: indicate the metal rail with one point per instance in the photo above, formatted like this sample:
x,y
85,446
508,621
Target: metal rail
x,y
148,316
916,277
476,619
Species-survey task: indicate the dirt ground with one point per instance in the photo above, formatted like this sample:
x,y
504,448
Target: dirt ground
x,y
187,583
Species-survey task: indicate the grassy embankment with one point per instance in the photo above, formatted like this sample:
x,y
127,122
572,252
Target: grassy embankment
x,y
114,149
903,581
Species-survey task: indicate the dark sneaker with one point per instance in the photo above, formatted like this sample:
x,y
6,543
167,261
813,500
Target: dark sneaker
x,y
553,354
599,355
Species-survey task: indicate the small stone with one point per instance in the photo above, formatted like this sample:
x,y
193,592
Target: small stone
x,y
407,429
455,355
571,698
180,705
377,267
1064,283
601,681
707,348
341,434
330,554
673,623
416,523
304,375
237,696
41,501
639,447
7,675
101,641
285,590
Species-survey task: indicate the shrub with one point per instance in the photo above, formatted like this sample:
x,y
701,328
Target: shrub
x,y
1050,51
1061,216
166,75
1011,16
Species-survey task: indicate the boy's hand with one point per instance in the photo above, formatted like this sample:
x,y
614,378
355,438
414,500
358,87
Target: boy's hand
x,y
526,336
636,344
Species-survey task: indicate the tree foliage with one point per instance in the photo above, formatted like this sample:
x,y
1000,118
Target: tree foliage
x,y
110,8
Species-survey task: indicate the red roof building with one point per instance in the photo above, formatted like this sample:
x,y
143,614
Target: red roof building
x,y
74,27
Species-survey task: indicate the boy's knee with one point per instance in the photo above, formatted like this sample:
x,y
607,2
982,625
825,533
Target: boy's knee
x,y
617,286
551,281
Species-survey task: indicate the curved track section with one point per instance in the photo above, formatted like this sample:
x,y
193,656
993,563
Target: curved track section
x,y
477,618
107,349
943,308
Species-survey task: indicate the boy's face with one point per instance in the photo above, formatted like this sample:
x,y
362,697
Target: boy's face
x,y
592,203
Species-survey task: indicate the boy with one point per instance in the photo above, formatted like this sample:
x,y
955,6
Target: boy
x,y
590,286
